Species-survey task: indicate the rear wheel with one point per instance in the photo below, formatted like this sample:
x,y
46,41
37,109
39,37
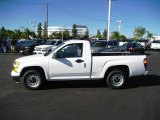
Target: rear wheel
x,y
33,80
116,79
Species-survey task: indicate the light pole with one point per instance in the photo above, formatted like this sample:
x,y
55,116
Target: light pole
x,y
62,26
108,24
119,25
32,25
146,33
109,15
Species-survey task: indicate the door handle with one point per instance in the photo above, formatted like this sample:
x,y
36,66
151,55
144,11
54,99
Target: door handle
x,y
79,61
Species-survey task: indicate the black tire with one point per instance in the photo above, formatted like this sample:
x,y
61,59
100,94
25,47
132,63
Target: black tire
x,y
33,80
116,79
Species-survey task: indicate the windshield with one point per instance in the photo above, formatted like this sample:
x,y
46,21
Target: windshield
x,y
156,41
49,42
99,44
53,49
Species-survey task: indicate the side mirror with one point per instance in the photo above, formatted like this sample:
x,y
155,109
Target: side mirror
x,y
54,56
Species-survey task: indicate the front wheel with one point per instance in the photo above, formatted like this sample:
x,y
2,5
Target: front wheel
x,y
32,79
116,79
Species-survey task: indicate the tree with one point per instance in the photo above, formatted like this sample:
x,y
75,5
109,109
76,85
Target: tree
x,y
98,34
25,34
18,34
139,32
66,34
122,37
3,32
86,36
45,31
105,34
115,35
149,35
33,34
57,35
74,31
10,34
39,31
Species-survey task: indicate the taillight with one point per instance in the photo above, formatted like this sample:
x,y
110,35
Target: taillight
x,y
145,61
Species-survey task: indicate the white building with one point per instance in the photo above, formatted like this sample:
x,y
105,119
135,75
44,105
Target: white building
x,y
157,37
81,29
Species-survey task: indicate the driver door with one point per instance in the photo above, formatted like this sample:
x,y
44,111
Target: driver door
x,y
69,62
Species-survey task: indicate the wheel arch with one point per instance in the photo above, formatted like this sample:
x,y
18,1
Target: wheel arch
x,y
123,68
40,69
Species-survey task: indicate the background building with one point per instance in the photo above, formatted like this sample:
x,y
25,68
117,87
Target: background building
x,y
157,37
81,29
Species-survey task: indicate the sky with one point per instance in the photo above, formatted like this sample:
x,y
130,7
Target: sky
x,y
15,14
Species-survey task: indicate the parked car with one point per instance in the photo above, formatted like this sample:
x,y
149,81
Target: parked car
x,y
144,43
155,45
125,41
27,47
47,46
132,47
100,45
19,44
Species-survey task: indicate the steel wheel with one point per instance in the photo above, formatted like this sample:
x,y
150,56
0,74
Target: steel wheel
x,y
32,79
116,79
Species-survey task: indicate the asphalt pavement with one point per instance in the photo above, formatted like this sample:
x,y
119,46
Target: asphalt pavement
x,y
81,100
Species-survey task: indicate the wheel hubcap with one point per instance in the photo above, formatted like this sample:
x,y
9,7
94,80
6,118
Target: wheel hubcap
x,y
117,80
32,80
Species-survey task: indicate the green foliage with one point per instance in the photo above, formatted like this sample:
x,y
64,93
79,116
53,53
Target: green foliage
x,y
74,31
98,34
39,31
45,35
66,34
86,36
115,35
32,33
56,35
18,34
10,34
149,35
139,32
25,34
122,38
3,32
105,34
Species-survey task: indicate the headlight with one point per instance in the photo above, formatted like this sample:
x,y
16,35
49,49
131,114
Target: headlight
x,y
27,47
15,66
44,49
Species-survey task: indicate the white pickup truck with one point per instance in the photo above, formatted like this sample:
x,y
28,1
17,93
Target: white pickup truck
x,y
73,60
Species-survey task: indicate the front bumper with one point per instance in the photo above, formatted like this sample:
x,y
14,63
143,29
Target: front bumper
x,y
39,52
15,76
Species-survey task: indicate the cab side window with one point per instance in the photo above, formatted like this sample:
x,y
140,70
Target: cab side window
x,y
71,50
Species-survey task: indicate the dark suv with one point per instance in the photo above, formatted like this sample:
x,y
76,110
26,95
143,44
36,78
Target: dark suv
x,y
27,47
101,45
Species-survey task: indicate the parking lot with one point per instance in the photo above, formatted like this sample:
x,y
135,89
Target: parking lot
x,y
81,100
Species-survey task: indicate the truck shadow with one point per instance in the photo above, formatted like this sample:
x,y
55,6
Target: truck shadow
x,y
75,84
134,82
143,81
